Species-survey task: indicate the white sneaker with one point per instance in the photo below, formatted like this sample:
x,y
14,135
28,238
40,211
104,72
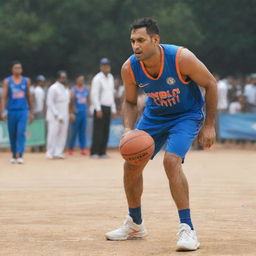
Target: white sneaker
x,y
187,238
20,160
48,156
129,230
95,156
13,161
60,156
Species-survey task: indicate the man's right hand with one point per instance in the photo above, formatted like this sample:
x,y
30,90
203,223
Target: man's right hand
x,y
126,131
3,116
99,114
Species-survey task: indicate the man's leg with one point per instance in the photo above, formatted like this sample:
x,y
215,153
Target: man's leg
x,y
82,131
61,138
133,184
12,130
97,135
177,180
21,132
73,134
180,139
52,133
105,129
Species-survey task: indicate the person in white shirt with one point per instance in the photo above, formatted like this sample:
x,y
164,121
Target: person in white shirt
x,y
39,97
57,116
250,92
222,87
102,99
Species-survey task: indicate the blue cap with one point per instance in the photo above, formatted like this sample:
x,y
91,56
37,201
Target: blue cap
x,y
105,61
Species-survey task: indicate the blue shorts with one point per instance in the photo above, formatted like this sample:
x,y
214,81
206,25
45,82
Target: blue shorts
x,y
178,134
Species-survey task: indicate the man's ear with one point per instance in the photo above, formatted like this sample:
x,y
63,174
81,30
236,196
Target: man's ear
x,y
156,39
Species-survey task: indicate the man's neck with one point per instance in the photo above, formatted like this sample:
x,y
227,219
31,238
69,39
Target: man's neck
x,y
154,60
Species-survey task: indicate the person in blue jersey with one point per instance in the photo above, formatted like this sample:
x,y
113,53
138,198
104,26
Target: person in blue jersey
x,y
79,95
17,101
170,76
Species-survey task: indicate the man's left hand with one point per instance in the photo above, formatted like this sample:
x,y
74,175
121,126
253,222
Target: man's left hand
x,y
207,136
31,117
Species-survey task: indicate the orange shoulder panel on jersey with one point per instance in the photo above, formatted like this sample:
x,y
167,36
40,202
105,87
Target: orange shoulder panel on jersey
x,y
131,71
178,66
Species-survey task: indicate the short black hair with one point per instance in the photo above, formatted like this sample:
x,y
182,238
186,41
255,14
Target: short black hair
x,y
148,23
15,62
60,72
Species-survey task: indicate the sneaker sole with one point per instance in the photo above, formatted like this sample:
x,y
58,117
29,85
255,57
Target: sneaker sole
x,y
184,248
137,236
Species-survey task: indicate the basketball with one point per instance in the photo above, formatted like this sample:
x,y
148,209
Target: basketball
x,y
137,147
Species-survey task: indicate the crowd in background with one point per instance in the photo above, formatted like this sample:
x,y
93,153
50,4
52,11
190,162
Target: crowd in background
x,y
237,95
101,97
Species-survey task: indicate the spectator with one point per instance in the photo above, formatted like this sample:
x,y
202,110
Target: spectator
x,y
222,87
240,105
102,98
57,116
39,97
234,90
250,92
79,95
119,93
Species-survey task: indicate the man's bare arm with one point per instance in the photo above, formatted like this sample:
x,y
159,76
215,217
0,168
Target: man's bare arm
x,y
130,100
30,101
194,69
4,99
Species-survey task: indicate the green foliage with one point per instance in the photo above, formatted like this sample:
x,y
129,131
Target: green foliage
x,y
73,35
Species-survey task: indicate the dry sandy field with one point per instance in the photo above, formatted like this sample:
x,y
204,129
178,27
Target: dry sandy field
x,y
64,207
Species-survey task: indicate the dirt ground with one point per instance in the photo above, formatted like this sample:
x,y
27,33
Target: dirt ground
x,y
64,207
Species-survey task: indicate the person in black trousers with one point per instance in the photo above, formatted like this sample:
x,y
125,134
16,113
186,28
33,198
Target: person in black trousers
x,y
102,98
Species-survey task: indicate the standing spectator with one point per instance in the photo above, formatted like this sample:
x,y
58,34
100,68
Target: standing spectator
x,y
38,93
57,116
119,94
39,97
16,96
222,87
102,98
234,89
79,95
250,92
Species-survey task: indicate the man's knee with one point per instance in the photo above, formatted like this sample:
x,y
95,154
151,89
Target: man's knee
x,y
133,169
172,164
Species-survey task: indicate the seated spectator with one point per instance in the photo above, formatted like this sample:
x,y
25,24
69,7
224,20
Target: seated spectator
x,y
240,105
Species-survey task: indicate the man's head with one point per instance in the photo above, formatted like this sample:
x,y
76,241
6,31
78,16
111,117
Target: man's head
x,y
40,80
145,38
16,68
62,77
80,80
105,66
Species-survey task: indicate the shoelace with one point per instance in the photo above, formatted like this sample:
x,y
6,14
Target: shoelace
x,y
184,234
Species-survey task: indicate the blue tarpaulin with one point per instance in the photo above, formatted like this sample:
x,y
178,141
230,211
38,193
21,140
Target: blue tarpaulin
x,y
237,126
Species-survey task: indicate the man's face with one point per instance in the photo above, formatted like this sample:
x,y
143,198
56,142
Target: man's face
x,y
105,68
41,83
63,78
17,69
143,44
80,80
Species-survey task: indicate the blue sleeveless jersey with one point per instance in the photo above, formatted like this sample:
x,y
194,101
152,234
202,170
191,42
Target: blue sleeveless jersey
x,y
169,96
17,94
80,99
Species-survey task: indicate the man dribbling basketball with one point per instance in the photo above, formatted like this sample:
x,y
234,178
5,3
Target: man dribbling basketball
x,y
170,76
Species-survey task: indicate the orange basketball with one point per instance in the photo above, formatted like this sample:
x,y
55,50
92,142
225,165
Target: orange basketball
x,y
137,147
